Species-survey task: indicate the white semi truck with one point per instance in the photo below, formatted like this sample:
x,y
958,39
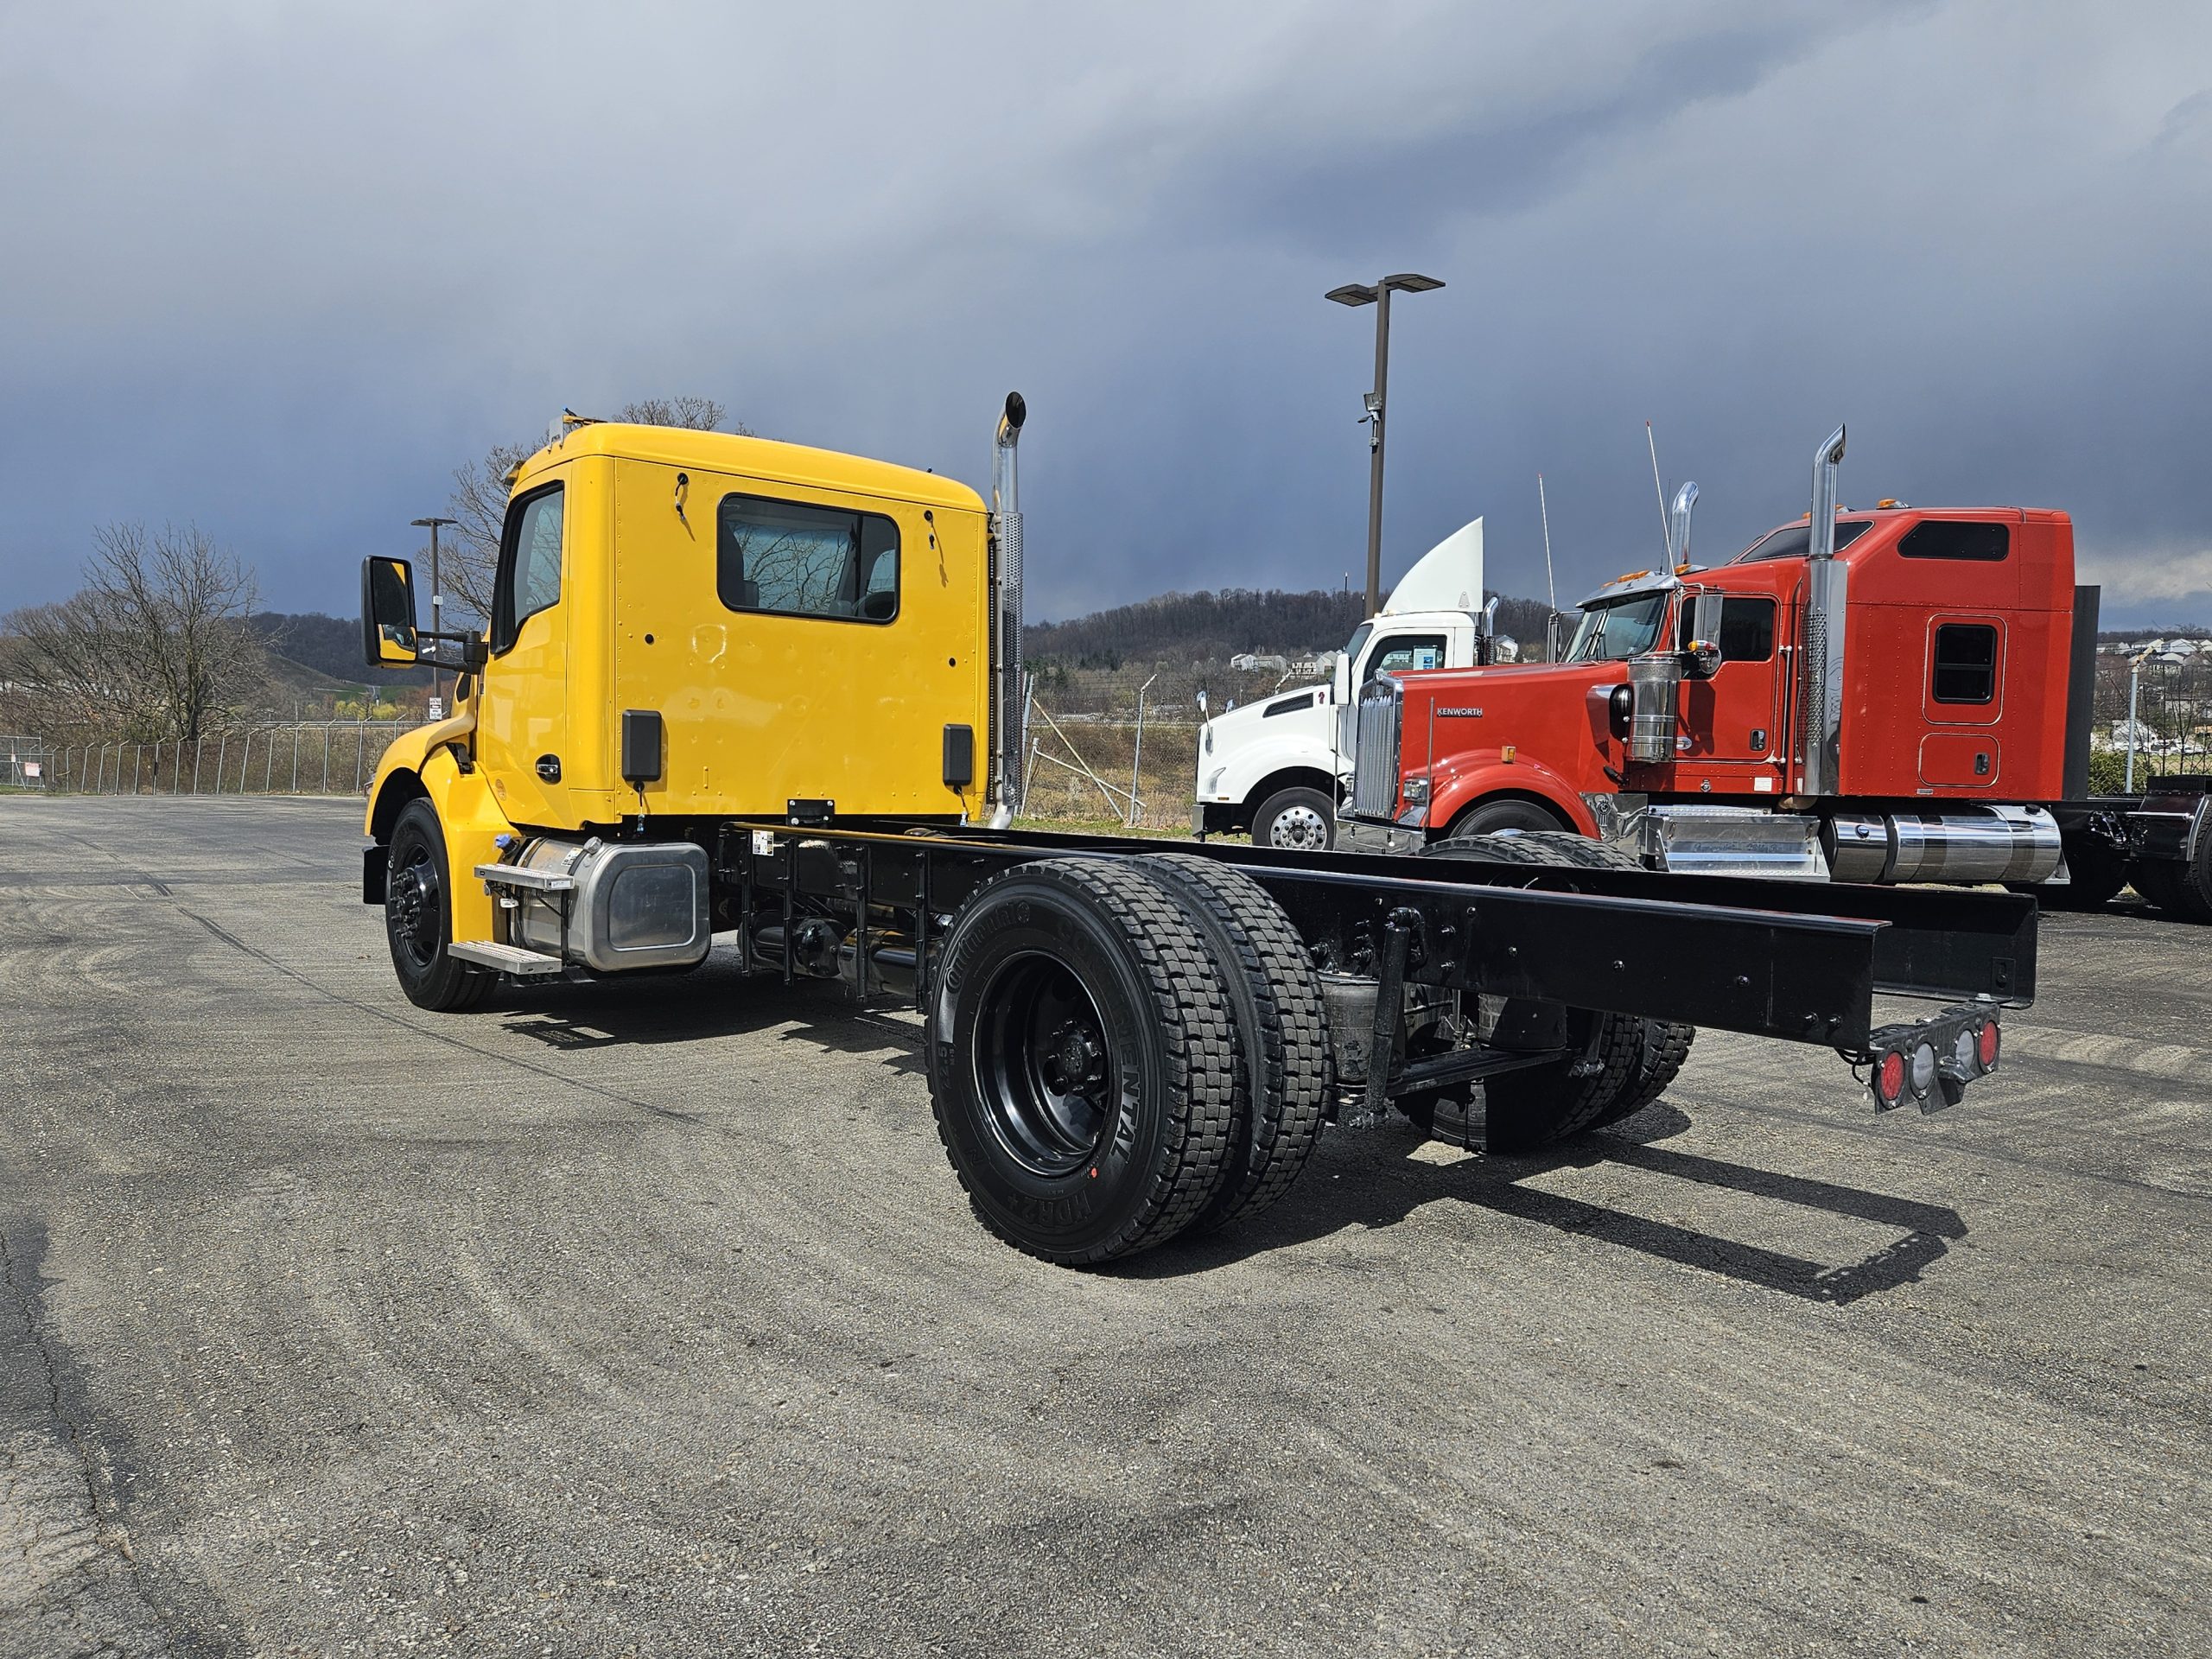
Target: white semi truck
x,y
1275,767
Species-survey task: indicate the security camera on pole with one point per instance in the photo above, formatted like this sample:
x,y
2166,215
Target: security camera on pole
x,y
1379,297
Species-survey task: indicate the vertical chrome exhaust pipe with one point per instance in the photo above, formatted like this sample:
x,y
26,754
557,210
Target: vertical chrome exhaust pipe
x,y
1678,530
1007,710
1827,610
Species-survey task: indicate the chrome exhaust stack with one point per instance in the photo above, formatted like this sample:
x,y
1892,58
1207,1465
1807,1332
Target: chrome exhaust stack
x,y
1006,709
1819,719
1678,527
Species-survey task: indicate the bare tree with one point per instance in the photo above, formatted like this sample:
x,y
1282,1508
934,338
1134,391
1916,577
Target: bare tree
x,y
155,645
479,495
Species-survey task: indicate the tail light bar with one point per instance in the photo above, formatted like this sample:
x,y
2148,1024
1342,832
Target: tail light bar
x,y
1929,1062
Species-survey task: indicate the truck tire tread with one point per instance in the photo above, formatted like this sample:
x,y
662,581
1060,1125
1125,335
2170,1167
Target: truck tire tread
x,y
1191,1015
1282,1030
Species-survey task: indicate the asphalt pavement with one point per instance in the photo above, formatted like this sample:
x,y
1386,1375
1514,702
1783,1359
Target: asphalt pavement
x,y
647,1318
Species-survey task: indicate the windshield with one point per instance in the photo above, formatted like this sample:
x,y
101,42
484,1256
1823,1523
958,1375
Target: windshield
x,y
1613,634
1361,635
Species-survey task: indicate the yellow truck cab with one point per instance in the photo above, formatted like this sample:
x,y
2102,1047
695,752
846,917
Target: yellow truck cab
x,y
687,626
748,689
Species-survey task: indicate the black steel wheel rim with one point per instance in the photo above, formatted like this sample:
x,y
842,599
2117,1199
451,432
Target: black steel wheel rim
x,y
1045,1073
414,905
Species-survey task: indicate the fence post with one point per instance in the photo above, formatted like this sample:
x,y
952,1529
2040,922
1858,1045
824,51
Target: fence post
x,y
325,760
360,741
198,749
295,760
137,764
269,763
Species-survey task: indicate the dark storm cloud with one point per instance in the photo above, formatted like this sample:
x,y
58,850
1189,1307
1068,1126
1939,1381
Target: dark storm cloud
x,y
278,272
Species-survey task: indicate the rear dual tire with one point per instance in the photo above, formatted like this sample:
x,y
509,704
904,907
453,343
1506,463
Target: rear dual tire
x,y
1616,1065
1123,1050
2179,889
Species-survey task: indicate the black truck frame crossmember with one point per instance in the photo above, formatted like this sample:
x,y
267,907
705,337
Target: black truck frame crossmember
x,y
1778,959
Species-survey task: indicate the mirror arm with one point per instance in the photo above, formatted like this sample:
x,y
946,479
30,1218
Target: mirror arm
x,y
472,654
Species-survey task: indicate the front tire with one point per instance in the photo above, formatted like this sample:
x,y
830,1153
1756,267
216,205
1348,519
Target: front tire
x,y
1082,1065
418,917
1491,817
1296,820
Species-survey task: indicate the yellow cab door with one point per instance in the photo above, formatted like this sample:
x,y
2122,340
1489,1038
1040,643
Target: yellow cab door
x,y
522,718
800,643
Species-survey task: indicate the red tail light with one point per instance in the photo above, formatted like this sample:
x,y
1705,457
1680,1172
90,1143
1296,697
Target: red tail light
x,y
1988,1043
1889,1079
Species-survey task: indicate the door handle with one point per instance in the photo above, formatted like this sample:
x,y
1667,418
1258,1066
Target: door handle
x,y
549,768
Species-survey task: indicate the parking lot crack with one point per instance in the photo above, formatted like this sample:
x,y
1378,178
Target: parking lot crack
x,y
68,1565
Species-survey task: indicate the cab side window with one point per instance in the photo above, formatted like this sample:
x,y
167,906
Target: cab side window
x,y
1747,628
1402,653
796,559
530,564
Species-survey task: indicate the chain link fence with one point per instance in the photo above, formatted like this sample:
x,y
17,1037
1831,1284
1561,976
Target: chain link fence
x,y
300,757
26,762
2157,704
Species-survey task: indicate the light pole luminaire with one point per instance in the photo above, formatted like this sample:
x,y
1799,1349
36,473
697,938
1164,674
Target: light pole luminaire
x,y
1379,297
437,597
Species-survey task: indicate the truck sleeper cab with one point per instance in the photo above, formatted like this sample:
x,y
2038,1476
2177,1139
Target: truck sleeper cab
x,y
745,690
1908,702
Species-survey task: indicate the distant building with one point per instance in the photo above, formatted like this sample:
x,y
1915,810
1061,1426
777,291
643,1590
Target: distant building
x,y
1252,662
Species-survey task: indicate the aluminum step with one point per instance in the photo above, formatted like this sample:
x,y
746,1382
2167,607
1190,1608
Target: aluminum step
x,y
507,958
515,875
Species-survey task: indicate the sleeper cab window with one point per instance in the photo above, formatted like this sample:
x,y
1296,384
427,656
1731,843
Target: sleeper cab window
x,y
530,564
790,559
1947,538
1966,663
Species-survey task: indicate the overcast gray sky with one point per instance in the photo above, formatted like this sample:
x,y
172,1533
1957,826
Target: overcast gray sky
x,y
278,268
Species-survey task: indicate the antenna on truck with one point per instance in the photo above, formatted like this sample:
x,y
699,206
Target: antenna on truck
x,y
1543,507
1666,537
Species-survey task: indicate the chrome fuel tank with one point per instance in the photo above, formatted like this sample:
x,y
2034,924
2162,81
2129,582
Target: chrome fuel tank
x,y
614,905
1992,843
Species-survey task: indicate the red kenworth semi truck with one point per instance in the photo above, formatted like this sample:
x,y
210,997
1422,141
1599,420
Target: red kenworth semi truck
x,y
1900,694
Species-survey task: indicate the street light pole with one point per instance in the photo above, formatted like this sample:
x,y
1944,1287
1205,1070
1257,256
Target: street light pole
x,y
1378,296
2134,684
438,599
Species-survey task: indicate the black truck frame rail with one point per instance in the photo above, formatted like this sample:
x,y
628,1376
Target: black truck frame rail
x,y
1796,961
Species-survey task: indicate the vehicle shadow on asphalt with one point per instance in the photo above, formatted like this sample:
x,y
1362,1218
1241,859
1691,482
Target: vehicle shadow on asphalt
x,y
1373,1180
713,1001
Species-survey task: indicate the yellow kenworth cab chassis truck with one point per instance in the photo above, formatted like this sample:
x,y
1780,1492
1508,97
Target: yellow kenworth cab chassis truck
x,y
744,690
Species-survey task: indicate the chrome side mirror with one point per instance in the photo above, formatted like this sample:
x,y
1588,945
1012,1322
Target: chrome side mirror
x,y
389,636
